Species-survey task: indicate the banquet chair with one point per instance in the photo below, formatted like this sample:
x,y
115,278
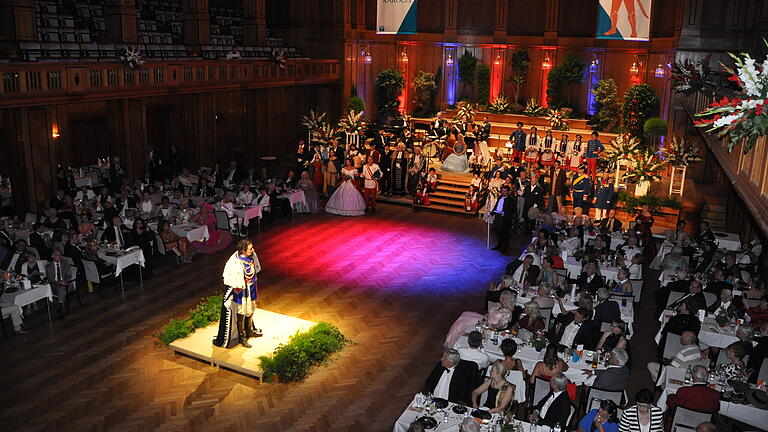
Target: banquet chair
x,y
93,275
30,218
691,418
672,346
637,289
710,298
763,373
540,389
752,302
597,395
723,359
562,273
604,327
682,428
546,314
674,296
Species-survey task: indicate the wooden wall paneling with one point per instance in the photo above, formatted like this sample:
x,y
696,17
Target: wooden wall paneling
x,y
526,18
430,16
577,18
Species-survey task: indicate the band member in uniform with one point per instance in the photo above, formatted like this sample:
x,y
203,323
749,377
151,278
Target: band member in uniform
x,y
594,148
556,187
580,189
398,169
239,302
518,140
371,175
437,126
416,167
485,130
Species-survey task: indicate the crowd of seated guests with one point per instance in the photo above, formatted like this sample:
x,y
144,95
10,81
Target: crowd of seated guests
x,y
596,324
139,213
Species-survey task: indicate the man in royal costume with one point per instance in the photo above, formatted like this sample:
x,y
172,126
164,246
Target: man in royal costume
x,y
239,303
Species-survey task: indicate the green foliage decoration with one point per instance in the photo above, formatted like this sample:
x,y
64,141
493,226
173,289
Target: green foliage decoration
x,y
500,105
533,109
424,88
654,203
356,104
562,78
519,64
483,84
607,106
640,103
292,361
389,84
208,311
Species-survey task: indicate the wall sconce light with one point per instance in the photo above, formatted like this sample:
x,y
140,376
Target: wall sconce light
x,y
595,63
547,63
367,58
404,56
634,69
497,61
55,131
449,61
659,72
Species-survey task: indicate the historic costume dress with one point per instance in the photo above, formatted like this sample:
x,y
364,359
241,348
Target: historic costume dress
x,y
457,161
576,155
217,239
239,301
399,170
346,200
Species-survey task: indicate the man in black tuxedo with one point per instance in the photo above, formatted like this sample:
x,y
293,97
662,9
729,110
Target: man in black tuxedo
x,y
117,233
205,190
606,310
57,200
453,379
610,222
504,212
38,241
730,305
577,329
485,129
694,298
590,280
523,271
116,174
555,407
556,187
682,284
13,260
705,233
719,284
710,261
533,194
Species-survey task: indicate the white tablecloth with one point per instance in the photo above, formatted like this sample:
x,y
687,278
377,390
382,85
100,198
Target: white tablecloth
x,y
574,269
454,420
748,414
729,241
297,198
24,297
711,334
84,181
248,213
123,260
529,357
193,232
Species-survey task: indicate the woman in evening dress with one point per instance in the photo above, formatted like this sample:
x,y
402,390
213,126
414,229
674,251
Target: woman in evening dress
x,y
346,199
457,161
310,193
217,239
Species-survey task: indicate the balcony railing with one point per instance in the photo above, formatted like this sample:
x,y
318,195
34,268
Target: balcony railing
x,y
24,82
748,172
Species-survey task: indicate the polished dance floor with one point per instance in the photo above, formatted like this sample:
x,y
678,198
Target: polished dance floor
x,y
393,282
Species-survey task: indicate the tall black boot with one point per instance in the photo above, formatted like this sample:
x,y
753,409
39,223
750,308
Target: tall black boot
x,y
250,330
241,334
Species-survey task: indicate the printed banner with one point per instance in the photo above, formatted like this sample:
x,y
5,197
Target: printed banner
x,y
396,17
624,19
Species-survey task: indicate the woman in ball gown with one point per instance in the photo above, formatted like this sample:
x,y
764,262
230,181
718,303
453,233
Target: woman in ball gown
x,y
217,239
347,199
457,161
317,172
310,193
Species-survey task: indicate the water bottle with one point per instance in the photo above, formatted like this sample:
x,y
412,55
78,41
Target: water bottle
x,y
557,428
688,375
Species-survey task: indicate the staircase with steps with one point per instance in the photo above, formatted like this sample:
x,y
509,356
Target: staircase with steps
x,y
450,192
713,212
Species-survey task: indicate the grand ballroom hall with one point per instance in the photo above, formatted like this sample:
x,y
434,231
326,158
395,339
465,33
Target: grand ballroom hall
x,y
384,215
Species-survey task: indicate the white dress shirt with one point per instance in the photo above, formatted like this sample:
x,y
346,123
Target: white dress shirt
x,y
245,197
500,206
443,387
518,275
476,355
262,201
548,403
14,259
119,237
630,252
571,244
570,333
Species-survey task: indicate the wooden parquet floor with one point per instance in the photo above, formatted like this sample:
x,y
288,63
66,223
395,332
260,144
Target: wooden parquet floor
x,y
393,282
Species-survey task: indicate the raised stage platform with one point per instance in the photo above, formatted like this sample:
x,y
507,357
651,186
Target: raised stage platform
x,y
277,329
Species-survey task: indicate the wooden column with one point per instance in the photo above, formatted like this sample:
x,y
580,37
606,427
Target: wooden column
x,y
451,17
255,22
550,21
500,30
120,18
197,24
127,126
